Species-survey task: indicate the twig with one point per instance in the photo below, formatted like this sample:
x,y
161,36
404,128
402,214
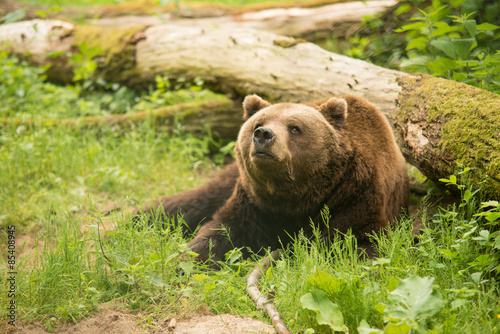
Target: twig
x,y
266,302
100,242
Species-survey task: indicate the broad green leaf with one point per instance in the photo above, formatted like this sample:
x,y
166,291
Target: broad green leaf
x,y
467,195
439,67
470,25
187,267
444,45
442,28
487,26
419,43
415,63
400,328
403,8
414,299
476,277
393,283
365,328
459,76
412,26
492,216
457,303
327,312
485,234
463,46
324,281
380,308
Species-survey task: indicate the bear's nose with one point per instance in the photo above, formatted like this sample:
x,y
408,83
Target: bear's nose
x,y
263,136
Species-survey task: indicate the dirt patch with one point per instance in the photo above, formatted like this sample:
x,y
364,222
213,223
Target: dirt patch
x,y
120,322
222,324
108,321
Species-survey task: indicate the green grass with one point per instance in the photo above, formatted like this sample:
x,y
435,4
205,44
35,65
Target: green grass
x,y
56,181
41,166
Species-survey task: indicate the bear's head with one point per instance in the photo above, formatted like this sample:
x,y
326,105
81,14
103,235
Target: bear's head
x,y
283,148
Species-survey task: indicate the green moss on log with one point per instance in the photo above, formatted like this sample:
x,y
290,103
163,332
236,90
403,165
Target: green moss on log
x,y
116,47
469,119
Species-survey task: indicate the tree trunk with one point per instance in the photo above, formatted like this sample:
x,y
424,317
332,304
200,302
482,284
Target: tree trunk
x,y
438,123
339,19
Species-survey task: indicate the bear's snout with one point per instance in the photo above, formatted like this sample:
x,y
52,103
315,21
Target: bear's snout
x,y
262,137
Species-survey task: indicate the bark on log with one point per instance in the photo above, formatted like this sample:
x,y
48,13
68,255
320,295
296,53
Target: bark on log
x,y
238,62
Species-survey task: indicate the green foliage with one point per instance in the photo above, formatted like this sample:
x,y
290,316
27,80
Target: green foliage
x,y
480,230
25,93
455,39
327,313
412,303
41,166
458,50
409,306
14,16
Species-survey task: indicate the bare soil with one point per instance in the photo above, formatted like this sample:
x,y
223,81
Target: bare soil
x,y
117,321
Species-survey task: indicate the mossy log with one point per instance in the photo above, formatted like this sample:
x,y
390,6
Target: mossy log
x,y
223,117
438,123
445,124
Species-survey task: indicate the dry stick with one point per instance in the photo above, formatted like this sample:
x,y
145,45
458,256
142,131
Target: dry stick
x,y
266,302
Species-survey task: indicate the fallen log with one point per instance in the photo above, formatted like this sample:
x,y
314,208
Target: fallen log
x,y
238,62
223,117
339,19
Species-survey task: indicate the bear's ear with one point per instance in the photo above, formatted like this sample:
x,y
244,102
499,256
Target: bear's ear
x,y
334,110
252,104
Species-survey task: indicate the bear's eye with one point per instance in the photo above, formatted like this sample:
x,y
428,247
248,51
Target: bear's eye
x,y
294,129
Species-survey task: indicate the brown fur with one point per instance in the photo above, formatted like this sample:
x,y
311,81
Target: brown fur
x,y
291,161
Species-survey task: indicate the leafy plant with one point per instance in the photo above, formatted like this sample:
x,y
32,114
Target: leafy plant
x,y
456,39
327,312
456,49
483,234
409,306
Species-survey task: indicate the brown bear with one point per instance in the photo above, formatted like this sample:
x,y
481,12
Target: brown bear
x,y
292,160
